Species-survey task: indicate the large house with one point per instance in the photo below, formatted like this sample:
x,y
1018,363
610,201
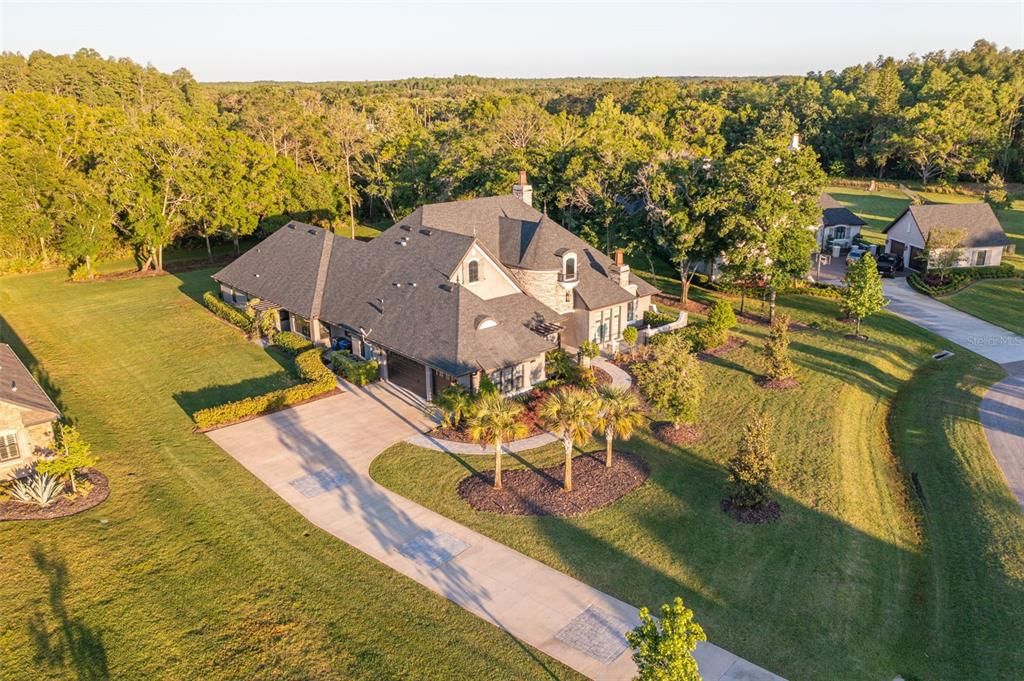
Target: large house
x,y
452,292
837,221
982,246
26,416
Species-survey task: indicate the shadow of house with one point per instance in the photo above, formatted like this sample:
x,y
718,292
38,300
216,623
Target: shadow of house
x,y
62,640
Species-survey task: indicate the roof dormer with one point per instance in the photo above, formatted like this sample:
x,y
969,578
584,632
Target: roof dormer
x,y
569,275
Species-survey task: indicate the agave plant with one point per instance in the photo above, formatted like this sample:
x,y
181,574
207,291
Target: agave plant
x,y
40,489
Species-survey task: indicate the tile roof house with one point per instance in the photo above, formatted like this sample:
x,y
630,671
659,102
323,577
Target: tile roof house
x,y
450,293
837,221
26,416
983,245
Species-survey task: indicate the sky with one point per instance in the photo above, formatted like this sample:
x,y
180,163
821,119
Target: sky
x,y
316,41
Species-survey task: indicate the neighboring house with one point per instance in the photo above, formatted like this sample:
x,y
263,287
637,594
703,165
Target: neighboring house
x,y
837,221
26,416
983,246
452,292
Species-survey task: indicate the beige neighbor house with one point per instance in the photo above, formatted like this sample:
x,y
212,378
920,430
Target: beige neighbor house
x,y
983,246
26,417
451,293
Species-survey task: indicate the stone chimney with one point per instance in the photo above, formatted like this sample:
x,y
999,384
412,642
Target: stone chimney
x,y
522,190
620,270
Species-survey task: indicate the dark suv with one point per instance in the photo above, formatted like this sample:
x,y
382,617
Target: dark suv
x,y
889,265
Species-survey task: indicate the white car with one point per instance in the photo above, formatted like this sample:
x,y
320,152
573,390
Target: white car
x,y
854,255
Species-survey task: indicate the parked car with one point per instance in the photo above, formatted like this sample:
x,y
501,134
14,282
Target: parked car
x,y
854,255
889,265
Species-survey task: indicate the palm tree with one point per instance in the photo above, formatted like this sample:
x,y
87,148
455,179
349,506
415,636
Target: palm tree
x,y
618,415
495,420
572,413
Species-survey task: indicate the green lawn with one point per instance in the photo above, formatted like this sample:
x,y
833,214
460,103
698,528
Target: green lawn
x,y
999,301
192,569
858,580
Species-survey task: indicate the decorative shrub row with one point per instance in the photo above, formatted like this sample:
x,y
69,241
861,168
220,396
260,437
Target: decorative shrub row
x,y
319,380
227,312
958,279
292,342
355,371
660,318
815,289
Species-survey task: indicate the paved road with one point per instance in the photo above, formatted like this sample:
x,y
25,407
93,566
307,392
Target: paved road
x,y
1002,408
317,458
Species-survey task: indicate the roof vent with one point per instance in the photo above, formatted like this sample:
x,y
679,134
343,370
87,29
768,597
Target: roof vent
x,y
291,225
406,228
426,232
312,231
14,386
412,283
447,287
397,284
257,275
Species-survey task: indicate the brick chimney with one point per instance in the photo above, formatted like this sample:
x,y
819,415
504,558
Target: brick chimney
x,y
522,190
620,270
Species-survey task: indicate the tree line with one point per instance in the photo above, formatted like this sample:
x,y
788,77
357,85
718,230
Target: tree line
x,y
104,155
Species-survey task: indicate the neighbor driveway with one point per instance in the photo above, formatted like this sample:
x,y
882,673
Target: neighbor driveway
x,y
1002,408
317,458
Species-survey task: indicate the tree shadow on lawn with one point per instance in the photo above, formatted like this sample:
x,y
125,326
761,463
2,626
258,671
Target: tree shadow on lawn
x,y
72,645
214,395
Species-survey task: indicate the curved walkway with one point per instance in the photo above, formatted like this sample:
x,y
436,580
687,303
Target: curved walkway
x,y
1001,410
317,458
620,379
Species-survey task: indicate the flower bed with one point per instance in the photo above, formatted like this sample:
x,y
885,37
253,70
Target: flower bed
x,y
958,279
12,509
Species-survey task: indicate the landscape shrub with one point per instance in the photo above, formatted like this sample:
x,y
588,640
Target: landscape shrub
x,y
816,289
227,312
319,380
958,278
780,365
753,465
354,370
74,453
291,342
41,489
661,317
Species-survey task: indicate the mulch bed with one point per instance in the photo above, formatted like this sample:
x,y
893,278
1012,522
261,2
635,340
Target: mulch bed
x,y
170,268
734,343
460,435
778,384
539,491
63,507
679,437
602,376
767,513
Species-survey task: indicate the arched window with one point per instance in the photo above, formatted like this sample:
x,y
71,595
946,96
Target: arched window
x,y
570,267
474,271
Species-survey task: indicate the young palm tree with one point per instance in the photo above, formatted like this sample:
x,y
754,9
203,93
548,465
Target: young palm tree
x,y
618,415
495,420
572,414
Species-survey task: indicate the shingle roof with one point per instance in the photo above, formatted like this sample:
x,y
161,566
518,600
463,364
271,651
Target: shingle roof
x,y
18,387
283,267
980,221
397,287
834,213
523,237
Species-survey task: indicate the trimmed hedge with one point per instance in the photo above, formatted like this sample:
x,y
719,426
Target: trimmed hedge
x,y
291,342
227,312
660,318
355,371
815,289
319,380
960,278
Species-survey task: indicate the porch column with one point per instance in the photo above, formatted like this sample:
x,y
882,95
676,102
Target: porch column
x,y
314,330
430,382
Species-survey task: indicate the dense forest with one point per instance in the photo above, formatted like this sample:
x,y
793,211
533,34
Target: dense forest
x,y
103,156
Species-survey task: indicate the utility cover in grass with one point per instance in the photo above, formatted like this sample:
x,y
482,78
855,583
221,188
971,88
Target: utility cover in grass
x,y
539,491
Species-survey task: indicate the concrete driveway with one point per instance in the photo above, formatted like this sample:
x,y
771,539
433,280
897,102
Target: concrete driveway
x,y
1002,408
317,458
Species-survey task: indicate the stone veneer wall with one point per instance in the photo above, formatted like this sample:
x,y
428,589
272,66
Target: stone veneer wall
x,y
32,441
544,286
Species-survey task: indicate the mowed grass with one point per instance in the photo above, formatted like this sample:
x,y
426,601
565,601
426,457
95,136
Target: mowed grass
x,y
192,569
999,301
859,580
